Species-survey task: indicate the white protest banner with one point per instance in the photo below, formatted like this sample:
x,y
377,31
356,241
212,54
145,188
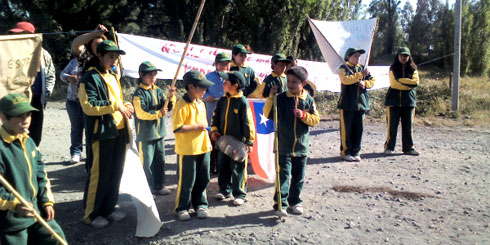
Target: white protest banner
x,y
166,55
20,61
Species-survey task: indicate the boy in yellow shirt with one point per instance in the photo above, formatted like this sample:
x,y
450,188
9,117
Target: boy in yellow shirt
x,y
193,147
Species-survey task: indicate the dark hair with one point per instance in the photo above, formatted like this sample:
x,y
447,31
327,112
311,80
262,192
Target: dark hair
x,y
400,70
298,71
88,45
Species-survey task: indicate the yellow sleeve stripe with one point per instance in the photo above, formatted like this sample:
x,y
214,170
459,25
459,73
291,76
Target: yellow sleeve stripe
x,y
140,113
413,81
268,106
370,82
90,109
396,84
312,119
9,205
251,124
351,79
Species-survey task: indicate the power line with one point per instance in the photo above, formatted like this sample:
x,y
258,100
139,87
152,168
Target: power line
x,y
430,61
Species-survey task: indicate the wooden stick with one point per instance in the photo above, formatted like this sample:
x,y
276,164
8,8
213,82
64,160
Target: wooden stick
x,y
120,65
38,217
276,156
189,39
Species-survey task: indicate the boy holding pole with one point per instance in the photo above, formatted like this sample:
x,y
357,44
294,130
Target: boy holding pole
x,y
296,113
22,167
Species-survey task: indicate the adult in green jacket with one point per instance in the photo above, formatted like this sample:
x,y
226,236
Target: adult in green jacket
x,y
401,100
353,103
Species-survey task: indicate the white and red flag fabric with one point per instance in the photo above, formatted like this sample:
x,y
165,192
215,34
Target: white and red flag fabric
x,y
262,156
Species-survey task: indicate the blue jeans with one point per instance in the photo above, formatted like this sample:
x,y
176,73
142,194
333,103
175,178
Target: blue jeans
x,y
75,114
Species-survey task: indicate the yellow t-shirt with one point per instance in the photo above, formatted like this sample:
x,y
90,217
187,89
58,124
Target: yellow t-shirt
x,y
190,113
115,95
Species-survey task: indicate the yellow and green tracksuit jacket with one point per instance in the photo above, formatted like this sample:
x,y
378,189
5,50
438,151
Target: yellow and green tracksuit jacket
x,y
293,133
249,74
402,88
22,166
97,105
274,80
233,116
352,96
188,112
149,122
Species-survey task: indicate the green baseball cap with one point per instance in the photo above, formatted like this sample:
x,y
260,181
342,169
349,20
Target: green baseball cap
x,y
15,105
197,78
234,77
109,46
221,57
147,66
350,51
280,57
403,50
239,48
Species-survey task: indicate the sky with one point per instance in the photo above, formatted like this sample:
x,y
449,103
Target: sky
x,y
412,2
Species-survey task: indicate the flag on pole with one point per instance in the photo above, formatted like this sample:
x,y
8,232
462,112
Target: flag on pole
x,y
348,34
262,156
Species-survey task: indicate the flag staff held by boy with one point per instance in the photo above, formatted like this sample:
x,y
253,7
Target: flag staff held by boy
x,y
296,112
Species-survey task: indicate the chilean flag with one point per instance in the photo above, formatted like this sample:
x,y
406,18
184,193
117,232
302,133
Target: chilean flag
x,y
262,157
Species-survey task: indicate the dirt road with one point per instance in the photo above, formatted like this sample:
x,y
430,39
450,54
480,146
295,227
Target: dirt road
x,y
440,197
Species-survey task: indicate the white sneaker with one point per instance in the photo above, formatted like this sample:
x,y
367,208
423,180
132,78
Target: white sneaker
x,y
348,158
238,202
183,215
357,158
75,158
221,197
99,222
388,152
202,213
296,209
162,192
281,213
117,215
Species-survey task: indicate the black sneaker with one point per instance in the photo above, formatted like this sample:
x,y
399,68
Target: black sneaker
x,y
412,153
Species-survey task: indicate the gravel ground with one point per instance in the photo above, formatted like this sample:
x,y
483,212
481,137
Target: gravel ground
x,y
439,197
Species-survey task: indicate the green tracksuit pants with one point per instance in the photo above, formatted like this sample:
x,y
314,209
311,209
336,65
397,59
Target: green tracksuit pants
x,y
105,161
232,176
351,128
152,154
292,178
393,117
193,180
34,234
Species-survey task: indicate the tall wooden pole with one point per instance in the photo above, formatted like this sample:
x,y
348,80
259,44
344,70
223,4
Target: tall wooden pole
x,y
189,39
457,56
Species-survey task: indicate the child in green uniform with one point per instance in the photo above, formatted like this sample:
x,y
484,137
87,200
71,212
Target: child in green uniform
x,y
353,103
239,56
401,100
296,113
22,166
192,145
106,135
148,102
233,116
277,78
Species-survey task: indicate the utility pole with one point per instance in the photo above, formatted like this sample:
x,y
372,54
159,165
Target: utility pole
x,y
457,56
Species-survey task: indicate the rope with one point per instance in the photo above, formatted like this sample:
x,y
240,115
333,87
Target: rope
x,y
430,61
68,32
